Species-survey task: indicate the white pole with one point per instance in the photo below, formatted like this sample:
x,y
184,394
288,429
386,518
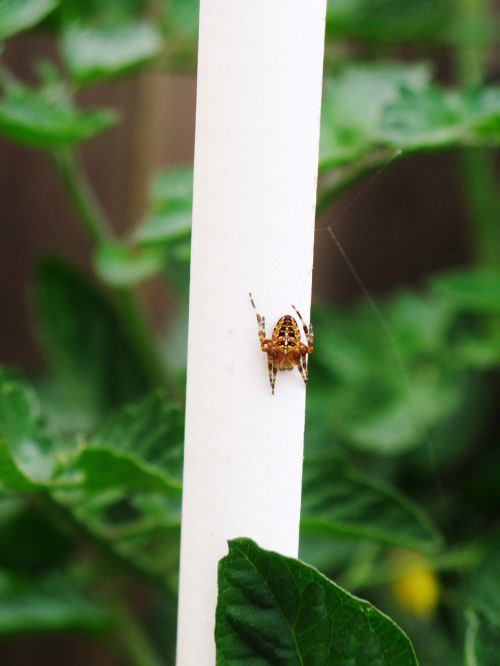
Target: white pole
x,y
257,135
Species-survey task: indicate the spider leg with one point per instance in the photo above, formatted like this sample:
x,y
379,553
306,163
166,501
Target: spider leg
x,y
309,332
272,368
261,322
303,369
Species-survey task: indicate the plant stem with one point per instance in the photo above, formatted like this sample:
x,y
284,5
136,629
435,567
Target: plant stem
x,y
130,312
81,196
477,165
98,229
384,573
135,646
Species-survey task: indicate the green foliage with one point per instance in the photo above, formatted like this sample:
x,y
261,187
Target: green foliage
x,y
19,15
389,20
394,106
180,24
123,266
275,610
413,383
121,485
92,54
353,103
171,208
88,349
435,118
49,604
402,399
47,118
340,501
482,640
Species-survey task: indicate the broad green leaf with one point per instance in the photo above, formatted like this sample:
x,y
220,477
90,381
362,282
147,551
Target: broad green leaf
x,y
45,605
47,118
129,475
151,429
340,501
353,103
171,208
435,118
92,355
19,15
276,610
429,118
123,266
95,53
105,468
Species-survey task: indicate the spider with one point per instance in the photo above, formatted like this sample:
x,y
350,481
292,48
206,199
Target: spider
x,y
285,348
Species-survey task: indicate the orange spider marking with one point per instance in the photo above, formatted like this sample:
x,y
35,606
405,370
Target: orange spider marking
x,y
285,348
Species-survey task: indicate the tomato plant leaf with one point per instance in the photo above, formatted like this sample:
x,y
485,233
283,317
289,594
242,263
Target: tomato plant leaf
x,y
47,118
26,453
273,609
124,266
338,500
91,354
19,15
96,53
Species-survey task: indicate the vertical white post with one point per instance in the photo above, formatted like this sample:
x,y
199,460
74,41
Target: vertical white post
x,y
257,135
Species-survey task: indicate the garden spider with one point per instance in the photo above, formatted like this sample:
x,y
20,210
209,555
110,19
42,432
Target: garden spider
x,y
285,348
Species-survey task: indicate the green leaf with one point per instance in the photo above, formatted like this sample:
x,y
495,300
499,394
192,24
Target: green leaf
x,y
338,500
129,483
276,610
90,352
26,455
44,605
96,53
353,103
151,429
47,118
429,118
171,208
123,266
139,450
19,15
434,118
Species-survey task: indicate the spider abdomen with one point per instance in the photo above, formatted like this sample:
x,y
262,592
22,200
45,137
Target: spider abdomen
x,y
286,334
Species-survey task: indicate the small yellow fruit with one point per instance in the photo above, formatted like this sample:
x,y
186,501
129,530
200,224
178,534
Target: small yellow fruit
x,y
416,590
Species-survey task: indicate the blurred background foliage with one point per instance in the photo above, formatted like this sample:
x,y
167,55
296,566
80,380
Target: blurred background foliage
x,y
402,467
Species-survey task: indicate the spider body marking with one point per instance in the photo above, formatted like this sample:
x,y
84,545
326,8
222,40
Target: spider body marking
x,y
285,349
